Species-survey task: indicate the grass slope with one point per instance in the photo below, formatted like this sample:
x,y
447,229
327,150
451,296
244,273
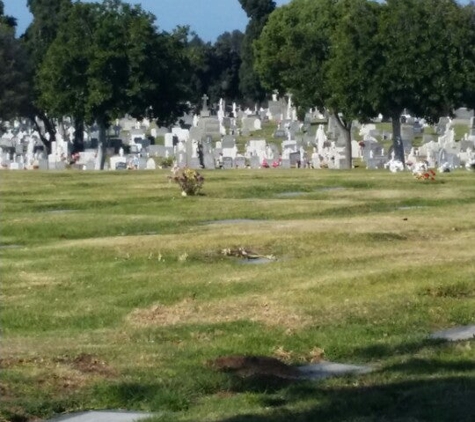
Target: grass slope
x,y
115,293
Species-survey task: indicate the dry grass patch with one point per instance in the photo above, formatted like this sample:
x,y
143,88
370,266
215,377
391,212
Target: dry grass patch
x,y
270,312
28,280
84,363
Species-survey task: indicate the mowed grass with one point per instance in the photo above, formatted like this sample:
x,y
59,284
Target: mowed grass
x,y
115,294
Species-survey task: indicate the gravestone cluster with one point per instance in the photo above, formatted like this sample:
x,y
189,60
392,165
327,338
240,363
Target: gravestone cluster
x,y
208,140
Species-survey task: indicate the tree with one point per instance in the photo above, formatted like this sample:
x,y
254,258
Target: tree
x,y
14,87
298,52
258,12
47,15
293,47
215,67
109,60
426,60
198,53
226,63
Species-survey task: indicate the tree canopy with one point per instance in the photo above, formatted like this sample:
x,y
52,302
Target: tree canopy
x,y
215,67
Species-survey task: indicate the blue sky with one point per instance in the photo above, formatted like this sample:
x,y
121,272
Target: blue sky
x,y
208,18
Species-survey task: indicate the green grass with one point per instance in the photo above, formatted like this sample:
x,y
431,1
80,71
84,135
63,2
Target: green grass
x,y
115,293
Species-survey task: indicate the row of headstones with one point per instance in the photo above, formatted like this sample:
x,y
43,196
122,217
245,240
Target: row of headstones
x,y
454,156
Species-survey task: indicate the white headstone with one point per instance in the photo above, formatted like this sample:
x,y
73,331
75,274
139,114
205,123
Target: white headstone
x,y
151,165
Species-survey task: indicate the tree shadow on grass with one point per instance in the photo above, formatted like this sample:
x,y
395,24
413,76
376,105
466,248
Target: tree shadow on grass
x,y
449,399
429,390
139,396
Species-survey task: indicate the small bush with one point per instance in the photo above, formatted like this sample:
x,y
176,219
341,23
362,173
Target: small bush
x,y
166,162
190,181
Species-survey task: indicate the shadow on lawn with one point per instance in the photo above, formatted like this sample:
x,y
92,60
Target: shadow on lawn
x,y
448,398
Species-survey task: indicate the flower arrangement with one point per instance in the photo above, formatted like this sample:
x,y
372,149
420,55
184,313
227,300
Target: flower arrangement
x,y
425,175
190,181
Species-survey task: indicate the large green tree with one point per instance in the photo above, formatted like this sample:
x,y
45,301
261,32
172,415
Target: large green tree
x,y
294,45
258,12
302,50
426,55
108,60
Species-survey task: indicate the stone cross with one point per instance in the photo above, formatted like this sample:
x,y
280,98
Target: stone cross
x,y
205,99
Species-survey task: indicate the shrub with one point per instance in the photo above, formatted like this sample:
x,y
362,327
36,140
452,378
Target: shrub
x,y
189,180
166,162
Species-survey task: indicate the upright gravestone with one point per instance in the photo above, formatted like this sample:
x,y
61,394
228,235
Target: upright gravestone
x,y
442,125
240,162
208,154
294,158
142,163
196,133
90,165
407,132
210,127
285,163
228,163
275,110
43,164
205,111
254,162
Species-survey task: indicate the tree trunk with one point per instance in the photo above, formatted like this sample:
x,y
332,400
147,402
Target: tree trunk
x,y
346,128
78,141
102,140
49,128
398,146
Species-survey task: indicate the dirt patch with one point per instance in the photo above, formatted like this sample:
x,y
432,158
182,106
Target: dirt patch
x,y
10,362
62,382
87,364
254,366
255,308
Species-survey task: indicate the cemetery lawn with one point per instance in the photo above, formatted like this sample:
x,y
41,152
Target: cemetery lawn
x,y
115,294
